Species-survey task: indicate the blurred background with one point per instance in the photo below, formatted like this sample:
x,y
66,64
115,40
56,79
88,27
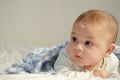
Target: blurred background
x,y
46,22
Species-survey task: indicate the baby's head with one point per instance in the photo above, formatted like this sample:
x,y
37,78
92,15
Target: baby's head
x,y
93,36
103,21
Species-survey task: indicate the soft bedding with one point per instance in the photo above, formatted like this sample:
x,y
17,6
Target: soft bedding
x,y
45,57
12,53
48,76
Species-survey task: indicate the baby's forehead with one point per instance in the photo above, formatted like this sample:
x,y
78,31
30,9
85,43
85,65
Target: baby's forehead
x,y
93,29
90,26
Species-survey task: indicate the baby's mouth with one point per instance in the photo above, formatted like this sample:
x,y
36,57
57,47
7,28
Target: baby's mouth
x,y
77,56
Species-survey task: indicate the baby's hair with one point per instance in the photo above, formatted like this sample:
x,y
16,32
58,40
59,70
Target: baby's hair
x,y
100,17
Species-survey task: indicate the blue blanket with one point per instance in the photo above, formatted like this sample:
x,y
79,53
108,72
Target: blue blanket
x,y
38,60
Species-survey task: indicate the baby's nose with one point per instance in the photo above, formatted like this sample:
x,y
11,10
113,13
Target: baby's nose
x,y
79,47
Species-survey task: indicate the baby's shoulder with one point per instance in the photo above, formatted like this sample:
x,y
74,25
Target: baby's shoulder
x,y
111,63
111,59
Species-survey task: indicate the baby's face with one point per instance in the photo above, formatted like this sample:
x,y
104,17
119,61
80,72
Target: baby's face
x,y
87,45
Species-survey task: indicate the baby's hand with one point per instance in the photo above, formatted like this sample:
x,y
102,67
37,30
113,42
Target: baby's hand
x,y
100,73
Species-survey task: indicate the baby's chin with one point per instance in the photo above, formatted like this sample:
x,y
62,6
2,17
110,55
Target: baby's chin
x,y
79,63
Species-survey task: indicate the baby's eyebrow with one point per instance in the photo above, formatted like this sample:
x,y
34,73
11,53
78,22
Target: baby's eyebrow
x,y
90,37
73,33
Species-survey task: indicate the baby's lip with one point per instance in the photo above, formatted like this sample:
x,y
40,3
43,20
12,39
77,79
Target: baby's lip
x,y
77,56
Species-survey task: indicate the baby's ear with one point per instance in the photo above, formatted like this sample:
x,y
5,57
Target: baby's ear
x,y
110,49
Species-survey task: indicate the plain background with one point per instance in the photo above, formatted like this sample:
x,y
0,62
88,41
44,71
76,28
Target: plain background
x,y
46,22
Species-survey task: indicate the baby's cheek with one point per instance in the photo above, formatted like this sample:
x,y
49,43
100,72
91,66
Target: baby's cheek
x,y
90,58
69,50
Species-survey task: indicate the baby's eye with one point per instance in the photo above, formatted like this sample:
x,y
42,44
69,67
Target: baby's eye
x,y
88,43
74,39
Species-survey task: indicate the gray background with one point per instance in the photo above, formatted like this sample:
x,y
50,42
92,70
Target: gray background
x,y
46,22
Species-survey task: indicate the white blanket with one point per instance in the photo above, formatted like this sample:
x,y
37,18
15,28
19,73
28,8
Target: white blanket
x,y
49,77
11,53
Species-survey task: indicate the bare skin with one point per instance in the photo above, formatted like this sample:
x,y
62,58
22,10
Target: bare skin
x,y
100,73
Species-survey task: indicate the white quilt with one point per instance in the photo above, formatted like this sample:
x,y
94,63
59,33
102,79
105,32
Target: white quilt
x,y
50,77
10,54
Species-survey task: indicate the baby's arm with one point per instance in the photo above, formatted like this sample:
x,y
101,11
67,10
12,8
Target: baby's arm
x,y
100,73
111,68
63,63
65,67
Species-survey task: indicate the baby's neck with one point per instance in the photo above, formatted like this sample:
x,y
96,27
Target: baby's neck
x,y
94,67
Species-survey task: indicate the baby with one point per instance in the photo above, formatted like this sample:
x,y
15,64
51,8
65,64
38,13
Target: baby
x,y
91,45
